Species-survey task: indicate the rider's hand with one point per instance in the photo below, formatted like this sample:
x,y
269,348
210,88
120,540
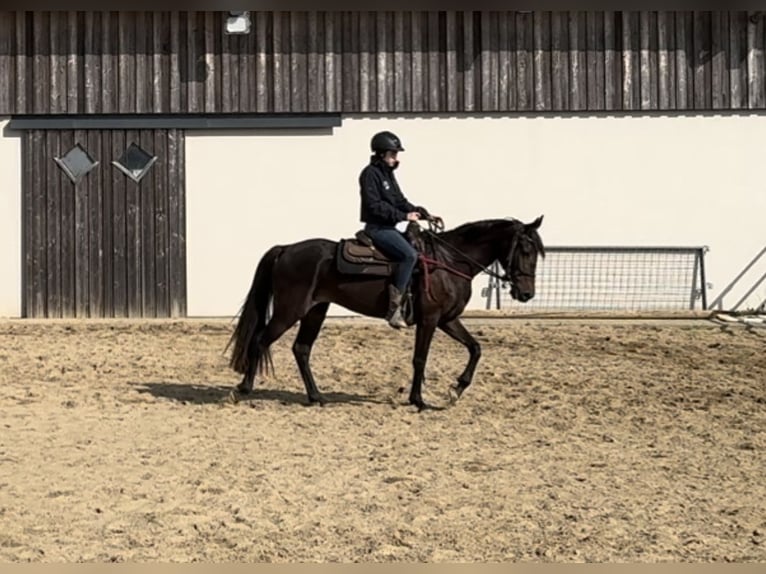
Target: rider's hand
x,y
413,216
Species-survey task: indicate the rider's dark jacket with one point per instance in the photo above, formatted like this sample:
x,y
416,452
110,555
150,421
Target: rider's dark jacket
x,y
382,201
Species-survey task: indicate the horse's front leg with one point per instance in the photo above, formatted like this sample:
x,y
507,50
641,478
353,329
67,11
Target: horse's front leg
x,y
423,336
458,332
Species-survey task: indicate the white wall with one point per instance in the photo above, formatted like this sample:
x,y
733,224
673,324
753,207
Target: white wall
x,y
685,181
10,222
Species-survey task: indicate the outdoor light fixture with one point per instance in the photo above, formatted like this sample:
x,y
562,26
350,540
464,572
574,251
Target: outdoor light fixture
x,y
238,23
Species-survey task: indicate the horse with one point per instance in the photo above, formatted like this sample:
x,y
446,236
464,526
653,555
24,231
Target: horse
x,y
298,282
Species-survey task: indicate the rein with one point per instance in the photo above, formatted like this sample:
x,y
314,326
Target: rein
x,y
426,261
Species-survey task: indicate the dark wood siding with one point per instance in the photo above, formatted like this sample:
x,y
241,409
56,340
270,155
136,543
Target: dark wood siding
x,y
107,246
160,62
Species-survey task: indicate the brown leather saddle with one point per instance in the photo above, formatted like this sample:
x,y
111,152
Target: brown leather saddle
x,y
358,256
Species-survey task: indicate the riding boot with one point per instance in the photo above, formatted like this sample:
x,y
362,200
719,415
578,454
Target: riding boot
x,y
394,316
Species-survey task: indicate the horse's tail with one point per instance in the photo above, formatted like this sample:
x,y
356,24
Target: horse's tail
x,y
253,317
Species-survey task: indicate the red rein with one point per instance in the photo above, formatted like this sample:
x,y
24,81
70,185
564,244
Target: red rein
x,y
426,261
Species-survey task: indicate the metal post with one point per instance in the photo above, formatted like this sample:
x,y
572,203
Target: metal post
x,y
703,279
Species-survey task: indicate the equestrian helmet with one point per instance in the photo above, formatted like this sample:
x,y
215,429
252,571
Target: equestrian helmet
x,y
385,141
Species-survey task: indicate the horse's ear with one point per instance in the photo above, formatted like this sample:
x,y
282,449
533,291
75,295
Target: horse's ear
x,y
535,224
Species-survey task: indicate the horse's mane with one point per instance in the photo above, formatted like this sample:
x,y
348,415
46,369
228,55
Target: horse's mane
x,y
473,231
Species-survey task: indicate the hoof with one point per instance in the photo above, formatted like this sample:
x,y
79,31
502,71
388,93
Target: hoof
x,y
244,389
453,394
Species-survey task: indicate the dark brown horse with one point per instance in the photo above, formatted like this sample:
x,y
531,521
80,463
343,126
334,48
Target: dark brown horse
x,y
302,279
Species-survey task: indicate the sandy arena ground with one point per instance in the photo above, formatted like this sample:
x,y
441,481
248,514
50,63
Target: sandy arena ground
x,y
579,441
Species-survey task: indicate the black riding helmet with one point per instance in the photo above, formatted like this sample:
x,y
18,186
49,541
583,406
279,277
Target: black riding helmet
x,y
385,141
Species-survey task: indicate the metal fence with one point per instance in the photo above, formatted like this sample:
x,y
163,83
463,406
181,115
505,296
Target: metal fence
x,y
612,279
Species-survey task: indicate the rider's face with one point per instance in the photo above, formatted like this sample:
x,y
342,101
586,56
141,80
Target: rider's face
x,y
390,158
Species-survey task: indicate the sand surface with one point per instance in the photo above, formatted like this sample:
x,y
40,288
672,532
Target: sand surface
x,y
579,441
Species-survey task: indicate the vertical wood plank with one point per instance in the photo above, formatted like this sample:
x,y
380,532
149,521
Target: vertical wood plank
x,y
331,70
684,61
648,61
160,62
133,237
350,59
127,65
418,96
702,61
560,60
720,59
82,261
469,63
229,71
286,62
381,63
119,253
107,218
494,54
95,218
23,87
631,79
177,222
524,62
503,62
68,235
147,252
542,61
316,90
400,88
161,236
454,76
278,66
365,67
595,61
144,80
75,67
666,41
244,71
433,61
53,223
40,65
755,61
738,59
39,225
612,60
338,61
57,59
193,54
209,71
109,63
298,64
578,61
176,67
92,63
7,62
262,64
485,83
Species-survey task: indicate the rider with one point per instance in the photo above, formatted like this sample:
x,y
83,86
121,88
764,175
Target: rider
x,y
383,207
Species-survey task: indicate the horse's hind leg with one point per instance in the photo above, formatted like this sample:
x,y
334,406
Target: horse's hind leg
x,y
311,323
279,323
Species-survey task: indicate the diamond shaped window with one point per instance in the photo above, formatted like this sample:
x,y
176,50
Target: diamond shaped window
x,y
76,163
135,162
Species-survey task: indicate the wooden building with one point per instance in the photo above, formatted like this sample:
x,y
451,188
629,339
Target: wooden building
x,y
101,111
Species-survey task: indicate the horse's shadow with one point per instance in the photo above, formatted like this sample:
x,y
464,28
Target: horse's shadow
x,y
199,394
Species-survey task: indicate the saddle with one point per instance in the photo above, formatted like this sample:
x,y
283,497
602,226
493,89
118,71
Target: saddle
x,y
358,255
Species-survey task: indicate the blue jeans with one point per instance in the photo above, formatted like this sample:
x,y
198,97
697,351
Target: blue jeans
x,y
394,245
